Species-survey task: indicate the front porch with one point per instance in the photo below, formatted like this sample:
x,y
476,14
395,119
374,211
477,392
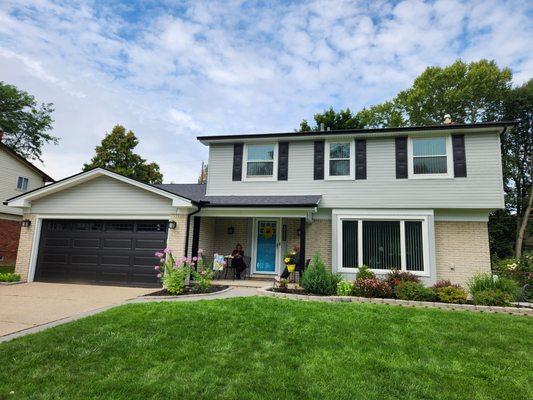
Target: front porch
x,y
264,238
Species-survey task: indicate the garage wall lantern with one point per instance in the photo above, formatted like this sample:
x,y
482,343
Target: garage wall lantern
x,y
25,223
172,224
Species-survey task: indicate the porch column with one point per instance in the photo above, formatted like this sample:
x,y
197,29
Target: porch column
x,y
302,243
195,237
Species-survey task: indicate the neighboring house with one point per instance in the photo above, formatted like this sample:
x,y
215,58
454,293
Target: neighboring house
x,y
413,198
17,176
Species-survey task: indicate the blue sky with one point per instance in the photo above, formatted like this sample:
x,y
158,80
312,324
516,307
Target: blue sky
x,y
173,70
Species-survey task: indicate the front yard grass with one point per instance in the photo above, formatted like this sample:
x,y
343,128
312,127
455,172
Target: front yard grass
x,y
263,348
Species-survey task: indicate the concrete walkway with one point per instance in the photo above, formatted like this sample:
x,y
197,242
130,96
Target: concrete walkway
x,y
33,307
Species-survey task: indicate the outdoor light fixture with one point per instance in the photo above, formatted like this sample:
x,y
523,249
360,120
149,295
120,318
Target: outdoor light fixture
x,y
25,223
231,230
172,224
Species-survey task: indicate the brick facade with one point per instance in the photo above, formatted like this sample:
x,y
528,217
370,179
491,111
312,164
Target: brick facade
x,y
318,240
461,250
24,249
176,237
9,241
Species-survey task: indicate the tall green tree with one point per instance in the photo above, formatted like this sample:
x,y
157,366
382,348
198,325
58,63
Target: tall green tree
x,y
344,119
473,92
517,155
116,154
26,123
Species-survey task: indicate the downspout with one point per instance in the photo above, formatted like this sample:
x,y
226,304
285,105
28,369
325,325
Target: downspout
x,y
200,203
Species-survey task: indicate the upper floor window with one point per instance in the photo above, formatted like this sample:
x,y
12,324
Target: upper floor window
x,y
340,160
22,183
430,157
260,160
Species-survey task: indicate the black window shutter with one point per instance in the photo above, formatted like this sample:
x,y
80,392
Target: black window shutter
x,y
459,156
360,159
237,161
401,157
319,160
283,161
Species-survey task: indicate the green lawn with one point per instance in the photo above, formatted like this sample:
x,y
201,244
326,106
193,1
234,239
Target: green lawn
x,y
263,348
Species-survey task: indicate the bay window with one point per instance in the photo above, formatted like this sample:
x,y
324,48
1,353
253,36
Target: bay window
x,y
382,243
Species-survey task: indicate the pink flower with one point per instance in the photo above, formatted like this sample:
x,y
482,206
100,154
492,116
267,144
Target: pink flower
x,y
158,254
159,275
195,259
156,267
202,272
200,251
167,250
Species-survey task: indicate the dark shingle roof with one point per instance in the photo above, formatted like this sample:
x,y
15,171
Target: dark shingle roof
x,y
196,192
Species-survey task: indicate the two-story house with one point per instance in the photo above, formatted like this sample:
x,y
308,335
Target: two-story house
x,y
415,198
17,175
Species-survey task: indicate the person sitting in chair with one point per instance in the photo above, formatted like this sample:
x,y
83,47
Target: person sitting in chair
x,y
238,260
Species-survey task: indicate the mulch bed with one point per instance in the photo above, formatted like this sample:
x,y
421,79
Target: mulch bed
x,y
189,290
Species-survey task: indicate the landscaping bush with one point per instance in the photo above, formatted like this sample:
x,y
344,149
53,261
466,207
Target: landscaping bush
x,y
414,291
204,274
372,287
364,273
317,280
441,284
517,269
493,289
344,288
451,294
396,276
9,277
491,297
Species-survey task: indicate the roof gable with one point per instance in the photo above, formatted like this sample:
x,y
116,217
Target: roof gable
x,y
26,163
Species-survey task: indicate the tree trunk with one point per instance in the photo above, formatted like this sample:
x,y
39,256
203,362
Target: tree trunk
x,y
523,225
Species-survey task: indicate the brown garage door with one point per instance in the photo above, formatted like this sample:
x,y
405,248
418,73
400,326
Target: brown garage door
x,y
103,252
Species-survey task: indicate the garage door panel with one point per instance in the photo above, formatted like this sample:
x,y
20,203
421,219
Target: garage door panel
x,y
86,243
124,244
115,252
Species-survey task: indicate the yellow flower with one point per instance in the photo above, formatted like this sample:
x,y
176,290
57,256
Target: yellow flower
x,y
287,259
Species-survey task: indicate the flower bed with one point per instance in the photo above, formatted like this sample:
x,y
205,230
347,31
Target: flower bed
x,y
188,290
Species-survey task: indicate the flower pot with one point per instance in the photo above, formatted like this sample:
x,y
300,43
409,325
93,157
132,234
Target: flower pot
x,y
291,267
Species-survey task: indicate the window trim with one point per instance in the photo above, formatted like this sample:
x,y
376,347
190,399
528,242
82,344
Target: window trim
x,y
27,183
274,177
349,177
449,158
383,217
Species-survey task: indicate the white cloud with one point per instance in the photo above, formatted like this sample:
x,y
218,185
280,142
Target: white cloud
x,y
172,73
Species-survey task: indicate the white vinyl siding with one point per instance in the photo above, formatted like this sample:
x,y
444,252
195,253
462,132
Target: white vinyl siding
x,y
11,169
103,195
481,189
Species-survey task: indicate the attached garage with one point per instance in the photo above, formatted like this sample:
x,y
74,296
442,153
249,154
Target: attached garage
x,y
119,252
99,227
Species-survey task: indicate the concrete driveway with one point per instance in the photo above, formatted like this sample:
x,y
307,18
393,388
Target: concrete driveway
x,y
29,305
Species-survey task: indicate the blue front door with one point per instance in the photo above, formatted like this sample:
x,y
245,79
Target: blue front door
x,y
266,246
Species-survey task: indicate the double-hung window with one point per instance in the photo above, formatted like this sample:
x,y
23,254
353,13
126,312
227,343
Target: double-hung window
x,y
382,243
340,160
260,161
22,183
430,157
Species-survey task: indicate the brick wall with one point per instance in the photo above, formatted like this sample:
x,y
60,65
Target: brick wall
x,y
318,239
224,243
461,250
9,241
24,249
176,237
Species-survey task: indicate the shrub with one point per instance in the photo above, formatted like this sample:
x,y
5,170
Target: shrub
x,y
488,282
344,288
204,275
491,297
451,294
414,291
442,284
283,285
317,280
396,276
372,287
364,273
517,269
175,278
9,277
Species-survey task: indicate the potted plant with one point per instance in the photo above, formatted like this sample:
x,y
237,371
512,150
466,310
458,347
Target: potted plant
x,y
291,258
